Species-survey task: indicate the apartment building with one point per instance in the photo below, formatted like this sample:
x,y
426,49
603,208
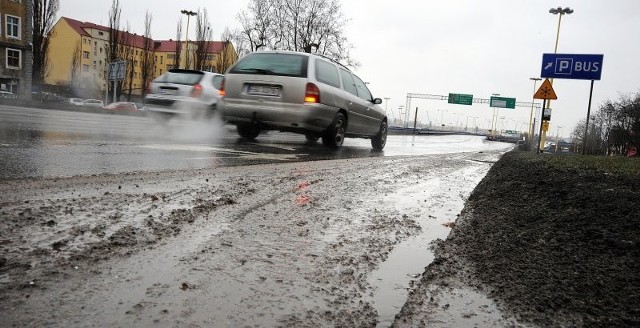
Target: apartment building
x,y
16,55
79,55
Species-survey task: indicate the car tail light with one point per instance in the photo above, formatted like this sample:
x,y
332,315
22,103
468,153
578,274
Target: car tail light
x,y
197,91
312,94
221,92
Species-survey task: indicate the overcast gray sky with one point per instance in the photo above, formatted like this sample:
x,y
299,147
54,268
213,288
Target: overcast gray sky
x,y
455,46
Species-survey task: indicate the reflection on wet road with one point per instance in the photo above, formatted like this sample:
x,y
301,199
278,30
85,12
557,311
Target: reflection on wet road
x,y
51,143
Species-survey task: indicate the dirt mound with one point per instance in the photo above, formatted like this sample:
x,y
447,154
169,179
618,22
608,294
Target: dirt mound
x,y
553,240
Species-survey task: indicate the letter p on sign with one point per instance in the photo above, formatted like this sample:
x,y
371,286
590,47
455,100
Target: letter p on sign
x,y
564,66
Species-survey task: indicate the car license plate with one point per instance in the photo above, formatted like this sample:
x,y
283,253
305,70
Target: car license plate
x,y
167,92
263,90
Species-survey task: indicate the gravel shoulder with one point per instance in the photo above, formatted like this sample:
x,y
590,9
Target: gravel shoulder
x,y
553,240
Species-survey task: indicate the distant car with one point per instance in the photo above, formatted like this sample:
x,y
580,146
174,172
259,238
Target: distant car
x,y
182,91
301,93
7,94
92,103
76,101
122,106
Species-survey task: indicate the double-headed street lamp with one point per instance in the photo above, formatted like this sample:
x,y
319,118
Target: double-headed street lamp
x,y
189,13
560,12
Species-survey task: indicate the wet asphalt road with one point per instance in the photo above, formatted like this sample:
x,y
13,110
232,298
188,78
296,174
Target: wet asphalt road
x,y
36,143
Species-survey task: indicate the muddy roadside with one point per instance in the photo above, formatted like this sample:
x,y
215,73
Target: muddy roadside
x,y
270,245
554,241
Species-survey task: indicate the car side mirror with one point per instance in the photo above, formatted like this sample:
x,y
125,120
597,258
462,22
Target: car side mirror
x,y
377,101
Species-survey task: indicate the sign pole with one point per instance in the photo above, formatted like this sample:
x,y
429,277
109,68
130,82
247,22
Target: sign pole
x,y
415,121
544,105
106,89
586,124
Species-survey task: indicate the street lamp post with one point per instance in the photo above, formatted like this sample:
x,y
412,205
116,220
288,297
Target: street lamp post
x,y
560,12
531,125
189,13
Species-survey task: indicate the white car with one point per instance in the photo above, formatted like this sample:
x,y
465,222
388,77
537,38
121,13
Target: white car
x,y
182,91
92,103
76,101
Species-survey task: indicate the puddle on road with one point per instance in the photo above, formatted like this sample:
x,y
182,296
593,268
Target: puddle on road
x,y
431,203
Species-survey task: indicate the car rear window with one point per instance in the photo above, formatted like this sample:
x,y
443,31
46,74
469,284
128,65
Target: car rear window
x,y
272,64
181,77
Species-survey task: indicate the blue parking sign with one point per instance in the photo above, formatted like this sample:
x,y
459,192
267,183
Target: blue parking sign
x,y
571,66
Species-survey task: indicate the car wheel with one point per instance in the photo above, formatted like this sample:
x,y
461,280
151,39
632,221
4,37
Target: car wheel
x,y
248,131
334,137
311,138
162,118
212,112
380,139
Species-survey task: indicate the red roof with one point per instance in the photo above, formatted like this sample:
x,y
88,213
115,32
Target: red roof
x,y
215,47
81,28
135,40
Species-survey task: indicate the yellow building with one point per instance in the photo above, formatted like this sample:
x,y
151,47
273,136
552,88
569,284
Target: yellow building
x,y
79,55
15,47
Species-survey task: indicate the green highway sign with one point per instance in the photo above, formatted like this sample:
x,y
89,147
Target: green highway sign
x,y
502,102
460,99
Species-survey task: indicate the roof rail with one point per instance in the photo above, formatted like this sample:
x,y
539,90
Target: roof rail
x,y
332,60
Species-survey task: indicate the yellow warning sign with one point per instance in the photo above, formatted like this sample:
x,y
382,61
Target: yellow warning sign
x,y
545,91
545,126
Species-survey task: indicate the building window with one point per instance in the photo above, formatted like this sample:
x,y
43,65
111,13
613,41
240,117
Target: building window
x,y
85,54
13,26
100,33
85,68
94,64
14,58
161,60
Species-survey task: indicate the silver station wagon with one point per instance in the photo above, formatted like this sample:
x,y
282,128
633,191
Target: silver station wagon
x,y
302,93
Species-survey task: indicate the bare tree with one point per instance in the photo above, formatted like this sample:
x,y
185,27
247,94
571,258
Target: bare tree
x,y
148,55
227,55
258,24
203,39
76,60
126,52
313,26
114,41
178,50
239,42
114,29
613,129
44,15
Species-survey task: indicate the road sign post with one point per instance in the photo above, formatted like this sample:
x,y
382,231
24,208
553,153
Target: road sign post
x,y
571,66
545,93
460,99
502,102
117,72
577,67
